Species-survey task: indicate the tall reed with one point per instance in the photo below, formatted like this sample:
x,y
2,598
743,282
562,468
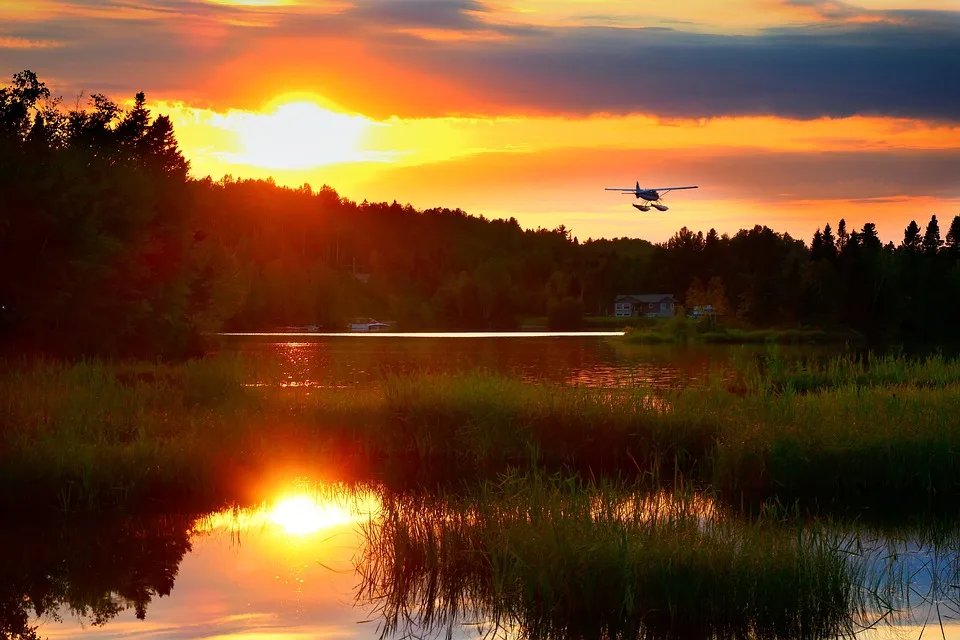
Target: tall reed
x,y
93,434
545,557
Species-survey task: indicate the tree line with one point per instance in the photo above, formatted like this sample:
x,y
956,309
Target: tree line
x,y
108,246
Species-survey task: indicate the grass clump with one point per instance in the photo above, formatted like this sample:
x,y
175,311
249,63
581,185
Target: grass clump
x,y
493,419
546,557
88,434
849,444
774,374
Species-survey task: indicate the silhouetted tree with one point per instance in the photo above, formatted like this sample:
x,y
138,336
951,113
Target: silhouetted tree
x,y
931,237
911,238
117,251
842,236
953,236
829,243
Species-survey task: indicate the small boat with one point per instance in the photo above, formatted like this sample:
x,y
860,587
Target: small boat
x,y
366,325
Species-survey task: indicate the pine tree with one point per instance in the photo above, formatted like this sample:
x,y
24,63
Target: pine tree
x,y
953,236
911,238
816,246
829,243
931,238
869,237
159,149
842,236
133,126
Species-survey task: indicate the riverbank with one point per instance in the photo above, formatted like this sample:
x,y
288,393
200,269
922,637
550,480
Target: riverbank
x,y
685,331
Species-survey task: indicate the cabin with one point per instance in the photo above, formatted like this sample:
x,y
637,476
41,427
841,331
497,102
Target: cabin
x,y
644,305
365,325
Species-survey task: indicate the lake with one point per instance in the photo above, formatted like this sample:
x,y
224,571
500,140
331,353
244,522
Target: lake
x,y
589,359
294,567
297,563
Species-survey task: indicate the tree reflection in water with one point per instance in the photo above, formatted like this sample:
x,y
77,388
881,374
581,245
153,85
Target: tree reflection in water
x,y
92,571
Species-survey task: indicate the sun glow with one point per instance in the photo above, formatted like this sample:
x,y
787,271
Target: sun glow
x,y
302,515
297,135
298,513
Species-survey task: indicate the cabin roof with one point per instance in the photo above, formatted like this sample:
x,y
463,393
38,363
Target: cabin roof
x,y
645,297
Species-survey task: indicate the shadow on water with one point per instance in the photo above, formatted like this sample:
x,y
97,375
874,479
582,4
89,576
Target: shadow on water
x,y
527,557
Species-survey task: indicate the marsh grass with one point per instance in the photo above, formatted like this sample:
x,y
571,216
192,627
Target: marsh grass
x,y
93,435
774,373
550,557
481,417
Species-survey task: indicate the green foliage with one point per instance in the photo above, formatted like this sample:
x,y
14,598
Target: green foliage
x,y
94,220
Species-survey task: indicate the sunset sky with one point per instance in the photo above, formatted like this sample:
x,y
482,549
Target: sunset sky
x,y
790,113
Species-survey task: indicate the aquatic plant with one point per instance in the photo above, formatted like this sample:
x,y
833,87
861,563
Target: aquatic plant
x,y
549,557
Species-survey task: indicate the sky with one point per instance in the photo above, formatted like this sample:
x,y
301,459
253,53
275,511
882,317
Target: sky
x,y
789,113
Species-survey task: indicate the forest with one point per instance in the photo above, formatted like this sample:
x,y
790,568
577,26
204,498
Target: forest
x,y
108,246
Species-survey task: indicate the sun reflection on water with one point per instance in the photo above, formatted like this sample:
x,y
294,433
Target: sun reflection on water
x,y
301,515
296,513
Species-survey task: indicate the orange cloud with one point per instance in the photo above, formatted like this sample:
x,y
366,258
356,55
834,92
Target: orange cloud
x,y
8,42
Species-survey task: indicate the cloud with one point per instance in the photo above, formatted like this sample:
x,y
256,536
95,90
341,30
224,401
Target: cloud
x,y
433,57
9,42
741,174
446,14
875,69
836,10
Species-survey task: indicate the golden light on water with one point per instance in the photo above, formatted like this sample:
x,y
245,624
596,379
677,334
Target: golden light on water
x,y
296,513
301,515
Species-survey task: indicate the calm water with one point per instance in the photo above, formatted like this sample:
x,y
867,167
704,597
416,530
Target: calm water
x,y
288,567
293,567
581,359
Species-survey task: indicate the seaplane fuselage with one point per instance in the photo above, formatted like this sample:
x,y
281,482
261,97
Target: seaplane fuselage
x,y
651,196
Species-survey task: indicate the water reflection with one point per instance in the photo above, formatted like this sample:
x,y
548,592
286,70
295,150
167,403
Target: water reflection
x,y
300,512
580,360
87,573
315,560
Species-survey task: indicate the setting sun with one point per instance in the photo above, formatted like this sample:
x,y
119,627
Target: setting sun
x,y
296,135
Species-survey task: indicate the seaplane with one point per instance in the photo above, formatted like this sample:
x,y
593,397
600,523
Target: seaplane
x,y
651,197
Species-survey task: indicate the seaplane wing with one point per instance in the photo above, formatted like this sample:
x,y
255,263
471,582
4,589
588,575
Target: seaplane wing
x,y
665,189
647,189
